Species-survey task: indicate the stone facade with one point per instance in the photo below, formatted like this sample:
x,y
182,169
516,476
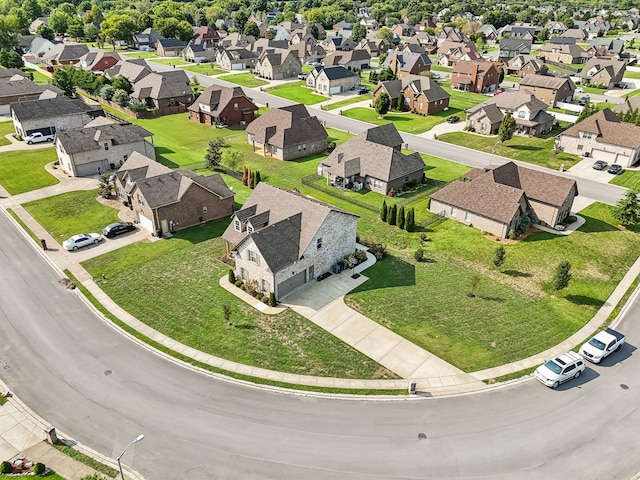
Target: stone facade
x,y
289,67
421,105
62,122
108,158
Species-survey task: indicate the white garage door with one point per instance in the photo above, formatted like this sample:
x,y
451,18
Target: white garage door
x,y
288,286
333,90
145,222
609,157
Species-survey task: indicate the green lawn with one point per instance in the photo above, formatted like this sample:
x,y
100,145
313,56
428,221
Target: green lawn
x,y
52,476
462,100
204,69
514,313
38,77
538,151
5,129
590,89
405,122
628,179
173,287
176,62
70,213
140,54
509,78
348,101
633,93
439,68
245,79
630,74
297,92
23,171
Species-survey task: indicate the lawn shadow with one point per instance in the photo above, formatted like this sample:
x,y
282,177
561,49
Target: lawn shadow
x,y
390,273
586,376
516,273
244,326
584,300
593,225
160,156
203,232
525,147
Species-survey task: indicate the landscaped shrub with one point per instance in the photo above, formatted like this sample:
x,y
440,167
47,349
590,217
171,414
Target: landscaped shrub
x,y
232,277
125,203
418,254
272,299
106,92
361,256
264,299
137,107
239,283
377,249
121,97
570,219
39,468
5,467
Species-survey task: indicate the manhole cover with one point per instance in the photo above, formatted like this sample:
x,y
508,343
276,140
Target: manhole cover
x,y
624,387
422,436
108,372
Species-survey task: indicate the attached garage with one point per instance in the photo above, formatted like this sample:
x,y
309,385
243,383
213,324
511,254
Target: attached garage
x,y
145,222
289,285
609,157
334,90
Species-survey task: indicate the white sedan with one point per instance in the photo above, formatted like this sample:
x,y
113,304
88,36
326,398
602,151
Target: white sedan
x,y
81,240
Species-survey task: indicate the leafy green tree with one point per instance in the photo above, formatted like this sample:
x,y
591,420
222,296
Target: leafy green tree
x,y
122,83
358,32
62,78
231,158
561,276
214,154
59,21
9,26
67,8
507,127
313,30
627,210
118,27
270,34
11,59
121,97
588,110
410,223
418,255
383,211
499,256
382,104
500,75
32,9
251,28
107,92
75,29
45,31
386,74
83,79
90,31
386,34
400,105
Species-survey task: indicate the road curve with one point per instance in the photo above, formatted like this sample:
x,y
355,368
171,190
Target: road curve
x,y
94,383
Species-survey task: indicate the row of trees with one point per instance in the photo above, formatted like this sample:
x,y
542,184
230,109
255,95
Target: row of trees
x,y
405,220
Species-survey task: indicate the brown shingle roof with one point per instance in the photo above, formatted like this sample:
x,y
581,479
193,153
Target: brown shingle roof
x,y
287,126
608,128
544,81
217,97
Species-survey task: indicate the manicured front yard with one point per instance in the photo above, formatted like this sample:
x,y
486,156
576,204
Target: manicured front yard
x,y
514,313
538,151
631,74
627,179
349,101
297,92
5,129
70,213
176,62
173,287
204,69
405,122
463,100
23,171
140,54
245,79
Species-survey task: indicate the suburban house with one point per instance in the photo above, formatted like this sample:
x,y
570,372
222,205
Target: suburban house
x,y
287,133
236,58
335,44
515,65
163,90
281,240
352,60
277,63
497,199
555,28
489,33
146,39
429,43
64,54
218,105
630,104
550,90
530,114
237,40
405,63
132,69
512,47
264,43
564,53
450,53
373,160
479,77
50,115
166,200
533,67
308,53
579,34
403,29
35,50
369,23
375,46
332,80
603,136
200,51
37,23
524,33
342,25
603,71
170,47
18,88
606,47
97,61
451,34
420,94
207,34
89,150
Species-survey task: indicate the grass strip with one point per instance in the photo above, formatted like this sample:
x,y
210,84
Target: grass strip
x,y
23,225
3,400
510,376
85,459
204,366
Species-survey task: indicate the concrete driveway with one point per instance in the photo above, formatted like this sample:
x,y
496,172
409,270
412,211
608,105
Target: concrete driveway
x,y
584,169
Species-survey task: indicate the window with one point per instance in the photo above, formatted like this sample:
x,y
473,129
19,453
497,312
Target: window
x,y
483,126
236,225
454,211
106,146
521,114
125,158
377,183
140,199
253,257
467,217
265,285
204,209
235,106
586,135
250,228
580,147
319,243
243,274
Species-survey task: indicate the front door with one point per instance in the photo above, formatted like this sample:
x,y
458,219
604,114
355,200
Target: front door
x,y
164,224
311,276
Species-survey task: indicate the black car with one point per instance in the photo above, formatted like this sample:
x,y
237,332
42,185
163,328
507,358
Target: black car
x,y
453,119
600,165
116,229
362,90
615,169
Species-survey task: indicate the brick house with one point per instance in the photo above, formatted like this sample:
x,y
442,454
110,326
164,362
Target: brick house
x,y
533,67
146,39
170,47
166,200
98,61
280,240
603,71
550,90
287,133
603,136
277,63
218,105
564,53
18,88
163,89
424,96
479,77
332,80
512,47
51,114
373,160
484,202
308,53
84,151
351,60
407,63
450,53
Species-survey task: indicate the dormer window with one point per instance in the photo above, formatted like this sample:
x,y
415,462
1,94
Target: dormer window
x,y
106,146
237,225
249,228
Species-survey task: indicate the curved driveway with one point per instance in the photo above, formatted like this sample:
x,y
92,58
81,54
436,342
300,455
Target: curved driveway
x,y
96,384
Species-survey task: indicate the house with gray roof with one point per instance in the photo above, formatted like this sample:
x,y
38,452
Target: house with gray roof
x,y
236,58
170,47
164,90
219,105
606,47
97,61
564,53
237,39
530,114
502,198
603,71
629,104
512,47
64,54
357,59
50,115
277,64
287,133
548,89
280,240
603,136
86,151
522,65
132,69
166,200
18,88
332,79
450,53
146,39
200,51
403,63
373,160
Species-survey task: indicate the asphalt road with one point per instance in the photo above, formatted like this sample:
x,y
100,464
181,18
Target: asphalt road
x,y
87,379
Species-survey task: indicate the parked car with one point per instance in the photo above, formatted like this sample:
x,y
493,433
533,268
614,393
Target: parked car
x,y
499,91
362,90
621,85
561,369
600,165
602,345
615,169
584,100
115,229
302,76
453,119
81,240
38,137
579,90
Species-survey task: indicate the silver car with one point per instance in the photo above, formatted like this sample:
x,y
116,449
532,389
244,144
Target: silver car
x,y
81,240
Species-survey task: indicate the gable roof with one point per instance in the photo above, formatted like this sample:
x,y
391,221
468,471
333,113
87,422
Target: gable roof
x,y
426,86
287,126
172,43
17,86
66,52
545,81
630,103
512,101
217,97
515,44
78,140
132,69
50,107
93,57
594,65
608,129
336,72
170,84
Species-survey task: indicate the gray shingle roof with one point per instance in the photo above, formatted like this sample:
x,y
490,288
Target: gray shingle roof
x,y
217,97
78,140
172,43
544,81
66,52
336,72
50,107
23,86
287,126
162,85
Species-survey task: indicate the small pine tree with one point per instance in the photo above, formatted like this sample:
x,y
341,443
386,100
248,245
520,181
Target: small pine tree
x,y
410,223
245,175
561,276
253,180
392,215
250,179
232,277
400,218
257,175
226,311
499,256
272,299
383,211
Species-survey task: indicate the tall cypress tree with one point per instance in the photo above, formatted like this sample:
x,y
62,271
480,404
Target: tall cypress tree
x,y
391,216
383,211
400,218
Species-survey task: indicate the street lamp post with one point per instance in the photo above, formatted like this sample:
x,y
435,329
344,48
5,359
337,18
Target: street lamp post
x,y
135,440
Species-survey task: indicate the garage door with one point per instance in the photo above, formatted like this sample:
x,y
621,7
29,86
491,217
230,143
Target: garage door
x,y
290,285
333,90
609,157
145,222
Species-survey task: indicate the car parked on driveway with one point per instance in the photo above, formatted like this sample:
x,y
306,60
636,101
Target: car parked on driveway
x,y
584,100
579,90
38,137
600,165
453,119
81,240
561,369
302,76
615,169
118,228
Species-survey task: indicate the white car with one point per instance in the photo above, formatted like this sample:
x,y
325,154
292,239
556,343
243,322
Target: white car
x,y
561,369
38,137
579,90
81,240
